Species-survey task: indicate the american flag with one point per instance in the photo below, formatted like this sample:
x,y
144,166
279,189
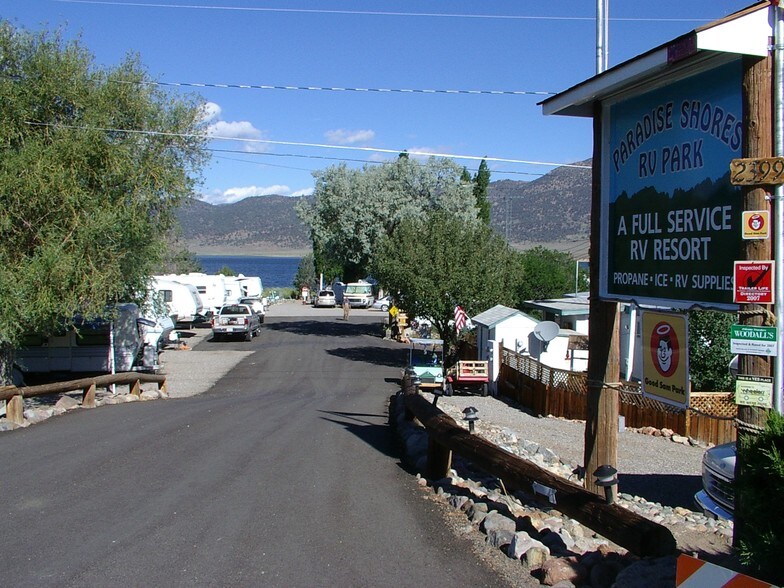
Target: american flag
x,y
460,318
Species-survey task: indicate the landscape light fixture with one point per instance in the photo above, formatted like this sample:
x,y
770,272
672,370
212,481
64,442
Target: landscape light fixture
x,y
607,479
471,415
437,393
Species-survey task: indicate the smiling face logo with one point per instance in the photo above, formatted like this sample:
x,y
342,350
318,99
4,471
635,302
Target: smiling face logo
x,y
665,350
756,222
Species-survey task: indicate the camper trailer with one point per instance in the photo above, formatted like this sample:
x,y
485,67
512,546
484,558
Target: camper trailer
x,y
121,342
182,301
251,286
210,287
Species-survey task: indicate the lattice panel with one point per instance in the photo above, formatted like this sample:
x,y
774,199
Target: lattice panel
x,y
718,404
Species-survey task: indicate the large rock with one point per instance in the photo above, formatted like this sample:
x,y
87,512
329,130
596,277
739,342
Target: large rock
x,y
499,538
150,395
477,512
562,569
38,414
522,543
536,556
495,521
67,403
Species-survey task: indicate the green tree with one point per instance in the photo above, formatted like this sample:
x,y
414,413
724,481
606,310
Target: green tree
x,y
440,261
481,183
226,271
88,194
306,273
709,350
547,274
759,487
352,209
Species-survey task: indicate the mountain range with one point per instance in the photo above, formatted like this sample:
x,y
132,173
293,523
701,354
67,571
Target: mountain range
x,y
553,211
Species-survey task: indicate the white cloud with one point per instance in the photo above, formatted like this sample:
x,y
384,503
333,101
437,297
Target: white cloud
x,y
347,137
240,193
412,150
210,111
305,192
242,129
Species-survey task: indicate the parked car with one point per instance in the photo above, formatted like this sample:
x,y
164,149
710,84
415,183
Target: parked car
x,y
235,319
382,304
717,497
325,298
257,304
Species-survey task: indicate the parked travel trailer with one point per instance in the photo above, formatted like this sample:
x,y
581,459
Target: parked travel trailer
x,y
182,301
251,286
232,290
210,287
122,342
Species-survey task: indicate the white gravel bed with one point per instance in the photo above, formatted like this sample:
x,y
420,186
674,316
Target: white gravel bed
x,y
637,454
191,372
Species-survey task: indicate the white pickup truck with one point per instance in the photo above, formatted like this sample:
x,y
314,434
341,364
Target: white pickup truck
x,y
235,319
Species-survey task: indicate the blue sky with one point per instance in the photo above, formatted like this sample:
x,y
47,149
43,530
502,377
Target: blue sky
x,y
502,45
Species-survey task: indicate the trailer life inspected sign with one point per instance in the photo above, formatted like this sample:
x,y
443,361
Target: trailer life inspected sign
x,y
753,282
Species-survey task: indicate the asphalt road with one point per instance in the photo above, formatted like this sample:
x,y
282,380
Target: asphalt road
x,y
284,473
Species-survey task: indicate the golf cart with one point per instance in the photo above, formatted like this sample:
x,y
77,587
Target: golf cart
x,y
425,370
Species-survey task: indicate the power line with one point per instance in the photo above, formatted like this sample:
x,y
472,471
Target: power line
x,y
324,157
312,145
340,89
373,12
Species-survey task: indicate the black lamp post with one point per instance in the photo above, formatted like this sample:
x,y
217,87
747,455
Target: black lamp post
x,y
471,415
606,478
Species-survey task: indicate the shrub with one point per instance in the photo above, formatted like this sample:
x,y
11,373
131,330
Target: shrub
x,y
761,486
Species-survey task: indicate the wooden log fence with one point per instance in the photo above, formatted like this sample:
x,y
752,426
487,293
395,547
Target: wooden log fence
x,y
634,532
15,396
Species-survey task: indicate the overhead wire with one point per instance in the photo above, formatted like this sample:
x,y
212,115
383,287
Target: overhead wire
x,y
312,145
372,12
340,89
324,157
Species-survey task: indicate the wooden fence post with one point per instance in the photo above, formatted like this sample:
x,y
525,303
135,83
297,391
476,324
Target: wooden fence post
x,y
14,410
88,396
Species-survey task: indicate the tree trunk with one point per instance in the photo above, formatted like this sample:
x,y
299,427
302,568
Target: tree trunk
x,y
6,363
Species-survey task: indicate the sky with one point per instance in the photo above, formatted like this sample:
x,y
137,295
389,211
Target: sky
x,y
501,57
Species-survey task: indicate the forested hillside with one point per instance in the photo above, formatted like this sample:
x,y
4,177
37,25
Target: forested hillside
x,y
553,209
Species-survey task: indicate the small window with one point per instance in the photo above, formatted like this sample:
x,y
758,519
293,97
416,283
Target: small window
x,y
166,295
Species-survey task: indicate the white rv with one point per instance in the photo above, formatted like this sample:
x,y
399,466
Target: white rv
x,y
251,286
122,342
359,294
232,290
182,301
210,287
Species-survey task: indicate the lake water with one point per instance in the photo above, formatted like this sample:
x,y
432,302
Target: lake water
x,y
275,272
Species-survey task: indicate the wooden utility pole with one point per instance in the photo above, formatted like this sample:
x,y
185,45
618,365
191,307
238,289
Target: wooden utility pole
x,y
758,125
601,425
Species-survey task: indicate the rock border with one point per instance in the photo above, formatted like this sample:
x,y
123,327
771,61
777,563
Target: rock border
x,y
553,548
